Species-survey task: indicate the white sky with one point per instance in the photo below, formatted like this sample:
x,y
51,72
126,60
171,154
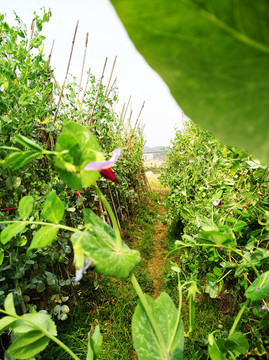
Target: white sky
x,y
107,38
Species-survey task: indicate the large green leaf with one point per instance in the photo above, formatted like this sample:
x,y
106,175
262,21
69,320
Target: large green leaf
x,y
214,56
76,147
28,345
145,340
100,247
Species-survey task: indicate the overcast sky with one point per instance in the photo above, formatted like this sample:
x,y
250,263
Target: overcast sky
x,y
107,38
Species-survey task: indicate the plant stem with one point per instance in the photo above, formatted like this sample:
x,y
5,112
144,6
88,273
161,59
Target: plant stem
x,y
45,332
111,215
40,223
238,317
141,295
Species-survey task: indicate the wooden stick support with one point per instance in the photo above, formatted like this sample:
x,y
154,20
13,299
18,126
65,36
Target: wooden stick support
x,y
127,107
30,35
67,71
96,98
82,68
107,87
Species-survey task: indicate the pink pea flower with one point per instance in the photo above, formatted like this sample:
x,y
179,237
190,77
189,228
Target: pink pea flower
x,y
105,166
217,203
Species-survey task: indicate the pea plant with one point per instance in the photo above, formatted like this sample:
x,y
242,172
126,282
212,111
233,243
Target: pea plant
x,y
156,325
218,206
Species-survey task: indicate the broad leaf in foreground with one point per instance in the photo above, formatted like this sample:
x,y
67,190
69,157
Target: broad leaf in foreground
x,y
214,56
99,246
166,316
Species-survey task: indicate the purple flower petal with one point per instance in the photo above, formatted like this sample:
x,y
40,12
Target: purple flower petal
x,y
198,224
100,165
81,271
264,308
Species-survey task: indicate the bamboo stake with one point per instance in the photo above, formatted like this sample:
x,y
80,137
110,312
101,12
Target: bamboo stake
x,y
31,35
49,58
127,107
96,98
67,71
117,195
107,87
82,68
85,89
113,204
107,96
122,111
139,115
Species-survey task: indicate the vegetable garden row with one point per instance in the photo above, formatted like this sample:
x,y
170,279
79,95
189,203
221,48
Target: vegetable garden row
x,y
63,217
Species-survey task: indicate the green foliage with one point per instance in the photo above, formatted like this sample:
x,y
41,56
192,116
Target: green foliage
x,y
219,197
214,57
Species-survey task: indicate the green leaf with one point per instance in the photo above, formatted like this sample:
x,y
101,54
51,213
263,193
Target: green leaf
x,y
214,56
2,255
44,237
76,147
95,344
212,289
28,143
165,314
26,206
100,247
259,290
239,226
28,345
217,237
97,340
211,277
217,271
237,343
33,321
213,349
53,209
9,304
20,159
5,322
10,231
25,99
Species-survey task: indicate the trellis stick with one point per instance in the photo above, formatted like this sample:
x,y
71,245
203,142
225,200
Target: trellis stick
x,y
107,87
96,98
31,35
49,58
127,107
139,115
122,111
113,204
85,89
82,68
67,71
117,195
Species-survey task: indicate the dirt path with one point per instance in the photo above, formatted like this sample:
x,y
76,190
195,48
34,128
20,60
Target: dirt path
x,y
156,265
